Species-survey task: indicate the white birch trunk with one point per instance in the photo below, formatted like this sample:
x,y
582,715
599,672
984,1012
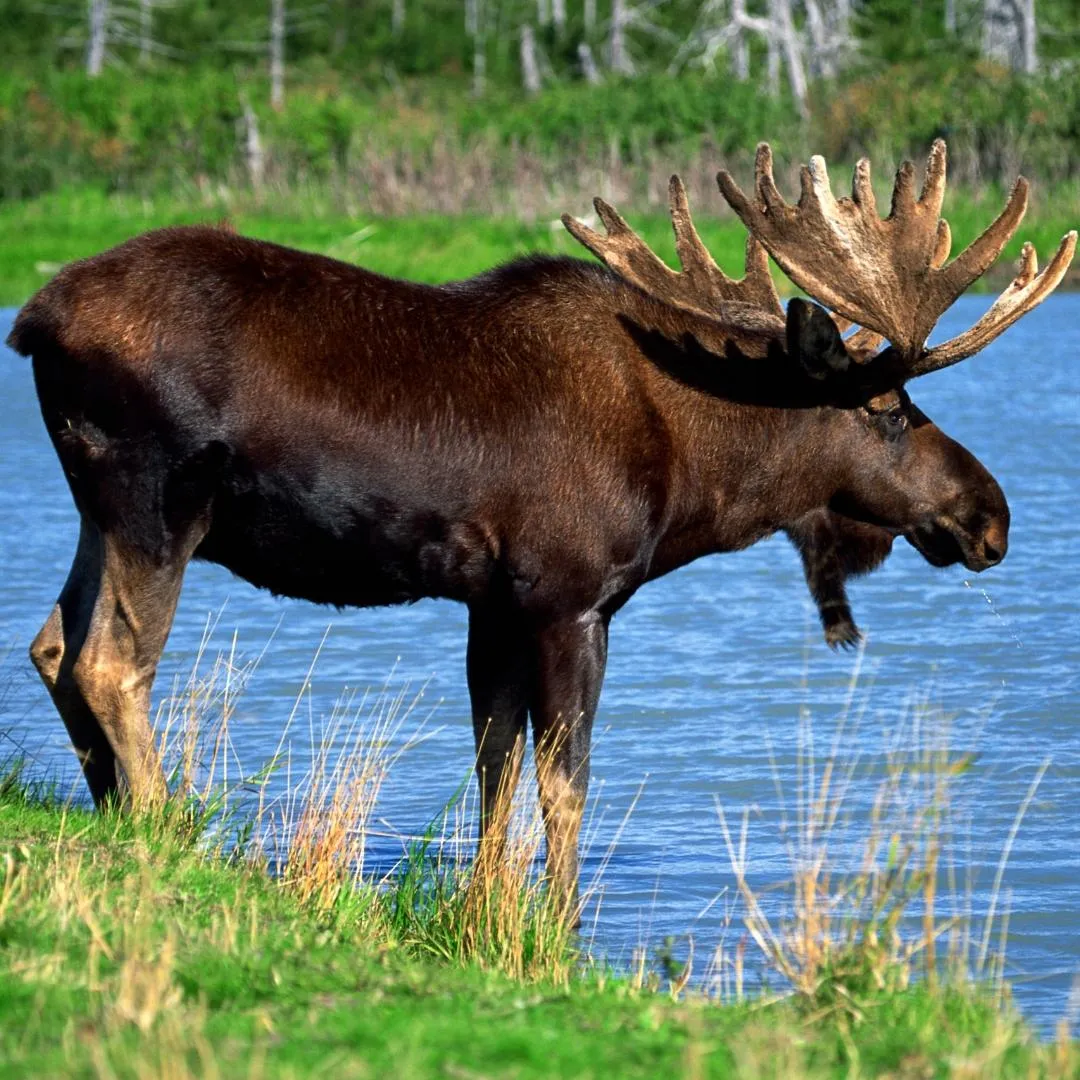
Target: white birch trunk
x,y
618,56
740,43
277,54
845,41
146,21
479,67
558,14
821,59
253,148
740,55
589,15
1010,34
476,28
772,63
1029,36
530,68
589,70
98,13
785,30
397,17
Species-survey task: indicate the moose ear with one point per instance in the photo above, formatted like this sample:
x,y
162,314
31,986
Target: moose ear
x,y
814,340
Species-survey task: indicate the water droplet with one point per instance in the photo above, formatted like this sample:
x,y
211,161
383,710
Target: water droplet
x,y
1006,625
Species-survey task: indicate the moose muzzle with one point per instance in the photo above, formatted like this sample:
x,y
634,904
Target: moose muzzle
x,y
979,541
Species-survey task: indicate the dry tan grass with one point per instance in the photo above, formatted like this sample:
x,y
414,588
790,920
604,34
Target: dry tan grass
x,y
846,931
496,911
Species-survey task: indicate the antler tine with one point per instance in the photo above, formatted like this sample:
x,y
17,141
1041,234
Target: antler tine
x,y
983,251
626,253
705,277
862,191
1028,289
888,275
933,190
702,287
943,246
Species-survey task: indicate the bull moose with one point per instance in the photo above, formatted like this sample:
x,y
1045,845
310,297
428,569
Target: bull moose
x,y
535,442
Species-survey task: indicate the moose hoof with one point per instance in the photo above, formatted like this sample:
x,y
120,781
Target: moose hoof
x,y
843,635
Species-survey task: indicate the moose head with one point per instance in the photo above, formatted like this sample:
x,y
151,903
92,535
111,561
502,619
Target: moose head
x,y
888,279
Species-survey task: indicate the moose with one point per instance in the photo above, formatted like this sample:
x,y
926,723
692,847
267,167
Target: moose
x,y
535,442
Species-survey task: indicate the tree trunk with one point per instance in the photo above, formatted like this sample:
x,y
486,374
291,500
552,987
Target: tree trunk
x,y
822,60
99,31
772,61
1010,34
530,68
397,18
740,44
784,25
1029,36
340,35
589,15
740,55
479,67
253,148
589,70
476,28
618,56
277,54
146,20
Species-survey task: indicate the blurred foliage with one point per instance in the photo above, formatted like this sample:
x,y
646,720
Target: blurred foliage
x,y
903,31
357,93
359,38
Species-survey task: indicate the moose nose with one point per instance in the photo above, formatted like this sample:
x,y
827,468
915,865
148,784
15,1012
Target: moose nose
x,y
995,543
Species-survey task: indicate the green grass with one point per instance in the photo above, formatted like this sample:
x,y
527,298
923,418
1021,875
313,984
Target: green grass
x,y
127,949
38,236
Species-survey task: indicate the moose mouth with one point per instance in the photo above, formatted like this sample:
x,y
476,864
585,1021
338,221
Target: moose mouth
x,y
943,543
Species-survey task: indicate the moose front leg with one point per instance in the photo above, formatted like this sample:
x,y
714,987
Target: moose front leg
x,y
571,656
818,541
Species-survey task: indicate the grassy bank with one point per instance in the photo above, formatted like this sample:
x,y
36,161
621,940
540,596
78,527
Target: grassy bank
x,y
130,949
401,135
40,235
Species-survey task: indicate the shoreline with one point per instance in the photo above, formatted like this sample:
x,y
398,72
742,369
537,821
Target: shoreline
x,y
131,945
39,236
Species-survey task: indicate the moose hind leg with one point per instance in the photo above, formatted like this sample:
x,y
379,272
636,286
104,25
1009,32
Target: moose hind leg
x,y
498,669
115,667
53,653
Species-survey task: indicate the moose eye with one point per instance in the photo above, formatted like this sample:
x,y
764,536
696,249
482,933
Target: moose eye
x,y
895,421
891,423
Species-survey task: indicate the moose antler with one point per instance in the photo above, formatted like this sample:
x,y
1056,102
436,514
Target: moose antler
x,y
702,287
890,275
1028,289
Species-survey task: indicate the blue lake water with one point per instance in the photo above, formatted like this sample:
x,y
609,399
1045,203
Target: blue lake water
x,y
710,671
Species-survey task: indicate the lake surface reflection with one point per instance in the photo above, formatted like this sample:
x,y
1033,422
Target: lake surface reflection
x,y
710,669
